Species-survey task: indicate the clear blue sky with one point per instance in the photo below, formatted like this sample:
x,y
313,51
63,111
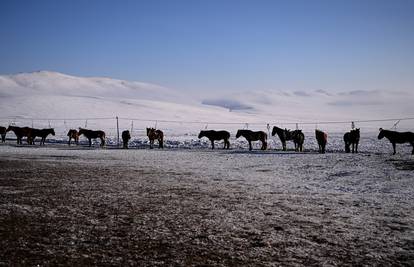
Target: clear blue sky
x,y
217,45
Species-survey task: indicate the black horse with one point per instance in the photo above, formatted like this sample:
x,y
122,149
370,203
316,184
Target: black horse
x,y
397,138
42,133
322,139
284,135
126,136
352,138
90,134
298,139
253,136
3,134
213,135
296,136
20,132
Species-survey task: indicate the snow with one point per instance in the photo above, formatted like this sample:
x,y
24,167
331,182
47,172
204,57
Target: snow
x,y
28,99
217,207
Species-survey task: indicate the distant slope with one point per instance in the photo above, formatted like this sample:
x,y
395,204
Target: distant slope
x,y
46,94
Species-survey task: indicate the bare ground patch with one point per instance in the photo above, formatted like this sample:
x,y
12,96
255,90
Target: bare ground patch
x,y
60,212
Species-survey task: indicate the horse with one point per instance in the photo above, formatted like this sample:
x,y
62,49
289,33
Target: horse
x,y
3,134
352,138
153,134
20,132
90,134
43,133
126,136
397,138
213,135
73,134
253,136
322,139
296,136
284,135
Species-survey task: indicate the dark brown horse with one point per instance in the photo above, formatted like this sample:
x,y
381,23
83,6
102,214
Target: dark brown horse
x,y
253,136
296,136
298,139
153,134
322,139
397,138
73,134
42,133
20,132
352,138
3,134
126,136
213,135
90,134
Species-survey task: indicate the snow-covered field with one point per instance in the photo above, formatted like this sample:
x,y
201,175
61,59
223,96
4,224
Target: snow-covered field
x,y
188,205
80,206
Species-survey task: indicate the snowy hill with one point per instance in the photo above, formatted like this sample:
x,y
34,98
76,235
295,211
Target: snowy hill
x,y
47,94
30,97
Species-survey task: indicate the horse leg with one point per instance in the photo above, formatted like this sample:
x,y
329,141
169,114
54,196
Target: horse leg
x,y
356,147
69,141
393,147
161,143
90,142
250,145
102,141
228,144
212,143
284,146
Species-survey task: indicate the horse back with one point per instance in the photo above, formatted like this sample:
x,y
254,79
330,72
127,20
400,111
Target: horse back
x,y
100,133
223,134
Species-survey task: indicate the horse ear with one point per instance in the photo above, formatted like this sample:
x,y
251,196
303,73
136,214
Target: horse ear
x,y
380,129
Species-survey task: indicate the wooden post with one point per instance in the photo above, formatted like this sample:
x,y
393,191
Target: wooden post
x,y
117,130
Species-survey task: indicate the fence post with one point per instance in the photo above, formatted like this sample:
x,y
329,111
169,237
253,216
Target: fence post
x,y
117,130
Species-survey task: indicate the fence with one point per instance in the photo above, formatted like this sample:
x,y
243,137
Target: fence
x,y
175,129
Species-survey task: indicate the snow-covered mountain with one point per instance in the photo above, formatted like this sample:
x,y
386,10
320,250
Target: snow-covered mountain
x,y
45,94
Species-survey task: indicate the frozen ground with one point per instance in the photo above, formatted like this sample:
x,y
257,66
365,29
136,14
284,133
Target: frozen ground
x,y
79,206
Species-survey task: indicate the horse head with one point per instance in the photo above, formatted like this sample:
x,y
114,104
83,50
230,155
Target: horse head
x,y
274,130
381,133
201,134
81,131
10,128
52,131
239,133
